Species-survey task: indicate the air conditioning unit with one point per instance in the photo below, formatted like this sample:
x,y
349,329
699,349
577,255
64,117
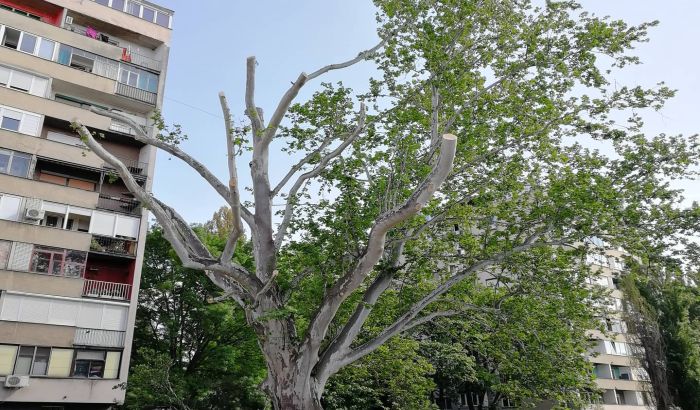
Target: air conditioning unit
x,y
16,381
69,20
34,214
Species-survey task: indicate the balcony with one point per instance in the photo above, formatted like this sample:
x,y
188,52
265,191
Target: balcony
x,y
123,128
117,204
113,246
135,93
106,290
97,337
137,168
141,60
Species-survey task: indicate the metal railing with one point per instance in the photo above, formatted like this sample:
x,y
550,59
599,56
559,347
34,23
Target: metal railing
x,y
113,246
117,204
136,93
144,61
99,337
123,128
137,168
106,290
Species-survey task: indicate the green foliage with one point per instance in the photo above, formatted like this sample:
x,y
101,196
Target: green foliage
x,y
190,353
395,376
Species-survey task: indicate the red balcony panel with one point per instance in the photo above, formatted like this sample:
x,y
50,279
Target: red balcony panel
x,y
109,269
49,13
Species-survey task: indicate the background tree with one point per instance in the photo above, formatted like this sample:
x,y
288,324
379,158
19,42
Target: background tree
x,y
378,188
189,353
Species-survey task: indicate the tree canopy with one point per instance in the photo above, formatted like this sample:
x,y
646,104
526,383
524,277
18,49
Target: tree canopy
x,y
491,134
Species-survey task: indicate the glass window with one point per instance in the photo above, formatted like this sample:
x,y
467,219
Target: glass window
x,y
74,265
20,165
102,2
23,364
148,14
11,38
46,49
41,361
28,44
129,77
163,19
5,157
89,363
41,261
118,4
134,9
9,123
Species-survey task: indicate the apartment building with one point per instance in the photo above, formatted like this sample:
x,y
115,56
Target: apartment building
x,y
71,235
623,383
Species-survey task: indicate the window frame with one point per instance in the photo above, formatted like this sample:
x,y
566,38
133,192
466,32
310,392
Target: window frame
x,y
90,362
33,360
65,262
12,154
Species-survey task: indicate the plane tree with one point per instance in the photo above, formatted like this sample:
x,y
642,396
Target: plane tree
x,y
492,128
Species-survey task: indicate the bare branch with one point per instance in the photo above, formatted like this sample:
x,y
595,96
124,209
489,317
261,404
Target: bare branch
x,y
406,320
299,165
364,55
141,136
192,253
270,282
342,289
251,110
234,193
291,198
435,115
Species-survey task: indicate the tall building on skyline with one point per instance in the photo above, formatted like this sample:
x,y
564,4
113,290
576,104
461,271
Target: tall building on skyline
x,y
71,236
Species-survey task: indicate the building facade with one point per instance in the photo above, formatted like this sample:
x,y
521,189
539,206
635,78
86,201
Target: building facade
x,y
71,236
623,383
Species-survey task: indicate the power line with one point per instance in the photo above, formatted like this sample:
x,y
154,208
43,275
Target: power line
x,y
195,108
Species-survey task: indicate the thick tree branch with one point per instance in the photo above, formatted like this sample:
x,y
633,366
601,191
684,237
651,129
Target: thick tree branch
x,y
252,111
291,198
192,253
342,289
141,136
234,193
364,55
406,320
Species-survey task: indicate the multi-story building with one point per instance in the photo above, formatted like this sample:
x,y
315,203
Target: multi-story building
x,y
623,383
71,235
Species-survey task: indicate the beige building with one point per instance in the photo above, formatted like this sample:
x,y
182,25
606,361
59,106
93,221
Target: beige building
x,y
623,383
71,235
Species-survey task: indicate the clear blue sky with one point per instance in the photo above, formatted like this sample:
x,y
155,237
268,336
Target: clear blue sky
x,y
211,40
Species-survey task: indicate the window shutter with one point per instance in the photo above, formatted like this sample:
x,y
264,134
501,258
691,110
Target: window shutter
x,y
102,223
90,316
30,124
64,312
34,309
113,318
7,359
9,207
21,81
112,365
39,87
60,363
20,256
128,226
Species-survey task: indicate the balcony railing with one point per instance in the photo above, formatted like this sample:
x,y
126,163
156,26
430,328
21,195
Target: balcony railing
x,y
99,337
137,168
136,93
113,246
142,60
106,290
117,204
126,129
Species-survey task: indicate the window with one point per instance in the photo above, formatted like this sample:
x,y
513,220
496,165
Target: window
x,y
21,81
620,397
134,9
102,2
11,38
118,5
129,77
32,360
148,14
163,19
28,43
9,207
58,261
10,120
14,163
89,363
46,49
